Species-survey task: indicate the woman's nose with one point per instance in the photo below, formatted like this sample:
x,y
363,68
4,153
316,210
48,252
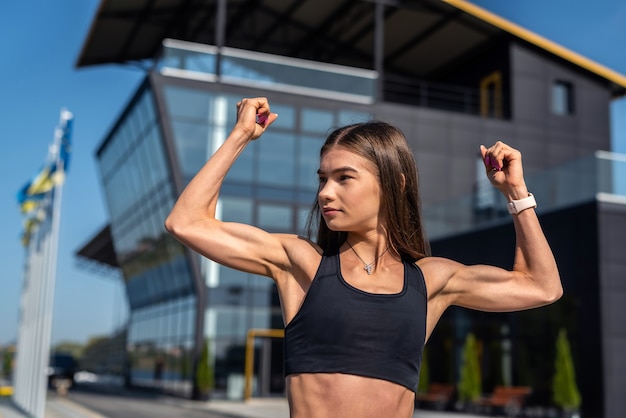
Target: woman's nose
x,y
325,193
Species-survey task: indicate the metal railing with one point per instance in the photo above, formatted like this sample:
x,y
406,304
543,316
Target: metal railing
x,y
272,72
441,96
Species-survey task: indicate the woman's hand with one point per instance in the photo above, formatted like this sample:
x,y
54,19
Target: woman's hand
x,y
503,165
253,117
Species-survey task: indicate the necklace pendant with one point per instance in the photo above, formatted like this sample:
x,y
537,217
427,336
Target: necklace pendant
x,y
368,269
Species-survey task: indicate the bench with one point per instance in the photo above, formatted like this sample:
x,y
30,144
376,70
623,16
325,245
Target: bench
x,y
439,395
509,399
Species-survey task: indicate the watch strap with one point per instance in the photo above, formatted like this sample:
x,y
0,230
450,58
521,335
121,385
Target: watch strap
x,y
516,206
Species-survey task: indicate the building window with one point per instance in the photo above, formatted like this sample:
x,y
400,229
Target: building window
x,y
562,98
491,95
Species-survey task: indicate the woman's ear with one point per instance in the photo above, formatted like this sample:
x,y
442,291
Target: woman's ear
x,y
402,183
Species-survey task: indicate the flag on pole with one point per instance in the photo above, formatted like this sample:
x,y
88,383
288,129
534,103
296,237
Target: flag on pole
x,y
40,202
31,196
65,142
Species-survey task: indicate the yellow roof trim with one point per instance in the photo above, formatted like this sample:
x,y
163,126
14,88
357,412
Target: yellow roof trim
x,y
540,41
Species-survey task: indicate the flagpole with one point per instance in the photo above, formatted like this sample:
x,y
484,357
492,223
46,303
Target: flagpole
x,y
42,242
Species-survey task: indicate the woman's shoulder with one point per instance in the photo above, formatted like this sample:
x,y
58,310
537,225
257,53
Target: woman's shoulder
x,y
432,262
304,258
299,243
437,272
301,250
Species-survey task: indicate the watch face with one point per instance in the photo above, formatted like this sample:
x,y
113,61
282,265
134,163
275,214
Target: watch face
x,y
511,207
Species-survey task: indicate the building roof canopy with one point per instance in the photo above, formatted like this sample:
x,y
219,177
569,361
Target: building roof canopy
x,y
100,249
421,37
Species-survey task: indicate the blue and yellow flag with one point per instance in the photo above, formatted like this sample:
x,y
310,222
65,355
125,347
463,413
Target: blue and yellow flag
x,y
31,196
33,191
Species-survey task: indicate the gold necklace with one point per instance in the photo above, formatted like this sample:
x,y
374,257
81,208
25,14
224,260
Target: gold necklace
x,y
367,266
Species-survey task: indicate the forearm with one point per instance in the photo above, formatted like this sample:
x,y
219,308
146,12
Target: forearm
x,y
533,255
198,200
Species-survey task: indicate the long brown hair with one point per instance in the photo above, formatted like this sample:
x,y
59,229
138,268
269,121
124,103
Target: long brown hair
x,y
386,147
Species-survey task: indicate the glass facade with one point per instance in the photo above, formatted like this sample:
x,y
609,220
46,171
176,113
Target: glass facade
x,y
254,69
272,185
138,187
565,185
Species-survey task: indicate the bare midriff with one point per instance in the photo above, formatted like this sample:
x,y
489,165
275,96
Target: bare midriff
x,y
332,395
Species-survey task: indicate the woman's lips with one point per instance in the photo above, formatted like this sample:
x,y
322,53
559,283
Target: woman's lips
x,y
330,211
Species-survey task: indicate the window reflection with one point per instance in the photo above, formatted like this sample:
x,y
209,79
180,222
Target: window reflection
x,y
275,217
562,98
317,120
159,346
303,216
187,104
286,117
348,117
309,161
244,168
276,159
191,145
237,209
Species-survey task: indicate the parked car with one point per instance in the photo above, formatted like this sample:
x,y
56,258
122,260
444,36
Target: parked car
x,y
62,368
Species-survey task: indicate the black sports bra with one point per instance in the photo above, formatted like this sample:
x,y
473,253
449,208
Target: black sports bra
x,y
341,329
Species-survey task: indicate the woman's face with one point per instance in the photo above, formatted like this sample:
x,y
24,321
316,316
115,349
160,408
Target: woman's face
x,y
349,192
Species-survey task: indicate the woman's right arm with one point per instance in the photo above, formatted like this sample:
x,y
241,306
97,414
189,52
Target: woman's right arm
x,y
192,219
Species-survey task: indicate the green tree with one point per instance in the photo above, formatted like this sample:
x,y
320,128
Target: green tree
x,y
204,372
565,392
7,363
69,347
424,381
470,388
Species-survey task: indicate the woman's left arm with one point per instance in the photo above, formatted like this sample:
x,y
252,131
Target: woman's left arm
x,y
534,279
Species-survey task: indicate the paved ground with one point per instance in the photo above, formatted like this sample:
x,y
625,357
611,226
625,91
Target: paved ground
x,y
89,403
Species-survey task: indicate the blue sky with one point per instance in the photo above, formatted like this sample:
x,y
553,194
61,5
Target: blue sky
x,y
41,41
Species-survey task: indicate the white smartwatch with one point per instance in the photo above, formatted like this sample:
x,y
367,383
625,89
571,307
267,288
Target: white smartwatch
x,y
516,206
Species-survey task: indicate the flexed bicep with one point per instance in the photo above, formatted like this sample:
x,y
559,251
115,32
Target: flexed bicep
x,y
239,246
494,289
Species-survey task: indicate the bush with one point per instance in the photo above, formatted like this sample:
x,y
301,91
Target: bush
x,y
205,379
470,387
565,392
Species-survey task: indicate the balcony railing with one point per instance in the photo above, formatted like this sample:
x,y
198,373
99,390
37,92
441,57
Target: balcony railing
x,y
272,72
441,96
600,176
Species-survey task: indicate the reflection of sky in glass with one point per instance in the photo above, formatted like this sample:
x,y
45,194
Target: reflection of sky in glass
x,y
561,98
619,174
276,159
316,120
188,60
274,217
234,69
268,70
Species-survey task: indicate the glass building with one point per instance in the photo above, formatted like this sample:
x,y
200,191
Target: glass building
x,y
484,80
272,185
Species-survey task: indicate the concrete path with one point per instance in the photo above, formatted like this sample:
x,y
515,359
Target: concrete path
x,y
61,407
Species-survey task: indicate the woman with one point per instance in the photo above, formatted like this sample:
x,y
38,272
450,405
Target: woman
x,y
360,303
